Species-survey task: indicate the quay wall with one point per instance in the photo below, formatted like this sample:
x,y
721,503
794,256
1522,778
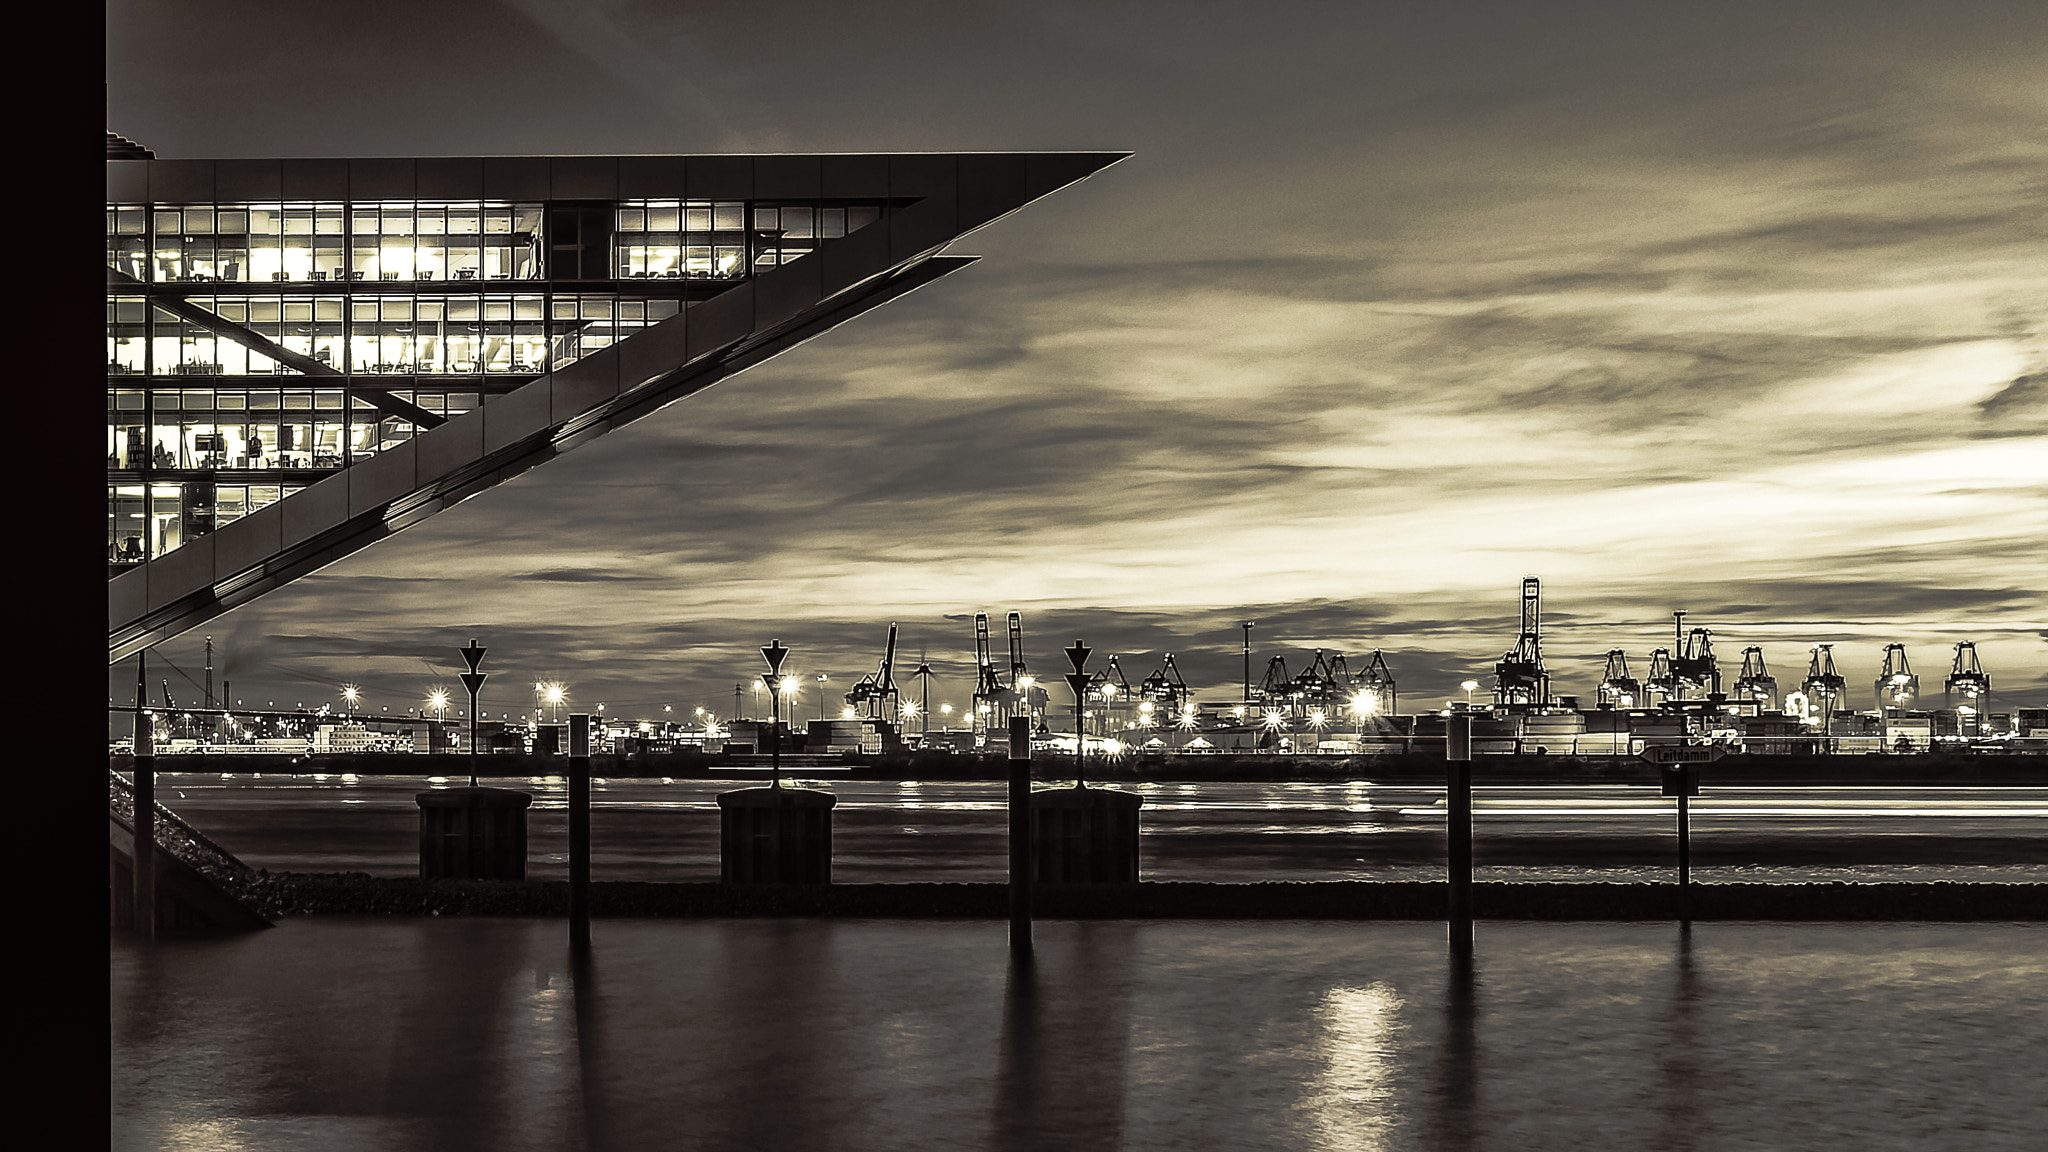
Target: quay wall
x,y
359,894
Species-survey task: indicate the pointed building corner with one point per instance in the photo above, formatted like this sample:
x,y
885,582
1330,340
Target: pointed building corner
x,y
668,274
1046,172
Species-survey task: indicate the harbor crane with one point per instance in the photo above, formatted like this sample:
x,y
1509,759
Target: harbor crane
x,y
1617,688
1109,686
1756,684
1823,685
1693,665
1661,684
1025,694
1520,677
877,691
1322,685
1897,687
1276,690
1167,692
1377,693
990,694
1966,678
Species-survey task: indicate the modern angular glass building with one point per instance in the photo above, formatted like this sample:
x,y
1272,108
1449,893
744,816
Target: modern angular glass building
x,y
304,355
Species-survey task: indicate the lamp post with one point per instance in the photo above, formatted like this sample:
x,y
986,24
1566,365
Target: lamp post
x,y
1468,686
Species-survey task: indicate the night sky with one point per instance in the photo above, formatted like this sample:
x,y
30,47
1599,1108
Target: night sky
x,y
1738,308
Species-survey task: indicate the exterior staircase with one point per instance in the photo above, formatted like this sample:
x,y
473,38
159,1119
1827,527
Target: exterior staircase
x,y
200,886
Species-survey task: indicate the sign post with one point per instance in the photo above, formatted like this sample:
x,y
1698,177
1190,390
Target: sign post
x,y
1678,767
1078,681
474,681
774,653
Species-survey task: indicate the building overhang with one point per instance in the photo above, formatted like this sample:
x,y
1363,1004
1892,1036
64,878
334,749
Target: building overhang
x,y
944,196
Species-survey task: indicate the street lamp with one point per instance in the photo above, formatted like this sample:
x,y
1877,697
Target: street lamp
x,y
1468,686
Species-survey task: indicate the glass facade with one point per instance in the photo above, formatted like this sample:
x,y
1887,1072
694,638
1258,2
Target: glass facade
x,y
253,347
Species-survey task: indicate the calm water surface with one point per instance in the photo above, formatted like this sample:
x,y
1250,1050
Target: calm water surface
x,y
406,1034
1225,832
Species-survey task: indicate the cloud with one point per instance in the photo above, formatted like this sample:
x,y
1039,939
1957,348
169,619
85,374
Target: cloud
x,y
1736,308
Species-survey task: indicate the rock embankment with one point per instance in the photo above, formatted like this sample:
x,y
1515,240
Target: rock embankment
x,y
360,894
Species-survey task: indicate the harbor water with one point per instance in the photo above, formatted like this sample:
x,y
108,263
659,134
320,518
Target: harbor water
x,y
396,1034
667,830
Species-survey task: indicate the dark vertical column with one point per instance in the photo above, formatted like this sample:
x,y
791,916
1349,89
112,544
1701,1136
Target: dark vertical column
x,y
1020,834
579,831
1684,858
145,826
1458,806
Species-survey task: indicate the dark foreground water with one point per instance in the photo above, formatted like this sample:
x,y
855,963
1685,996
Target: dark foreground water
x,y
334,1033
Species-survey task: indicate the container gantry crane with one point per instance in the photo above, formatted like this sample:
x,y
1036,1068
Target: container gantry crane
x,y
990,694
1617,688
1025,694
1377,693
1823,685
1693,666
1109,686
1520,677
1167,692
1661,684
1966,678
1320,685
877,690
1275,691
1897,687
1756,684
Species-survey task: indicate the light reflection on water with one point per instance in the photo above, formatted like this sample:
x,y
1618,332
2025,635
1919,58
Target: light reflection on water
x,y
887,831
406,1034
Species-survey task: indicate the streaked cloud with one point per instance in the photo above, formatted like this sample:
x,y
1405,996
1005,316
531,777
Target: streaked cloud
x,y
1737,310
